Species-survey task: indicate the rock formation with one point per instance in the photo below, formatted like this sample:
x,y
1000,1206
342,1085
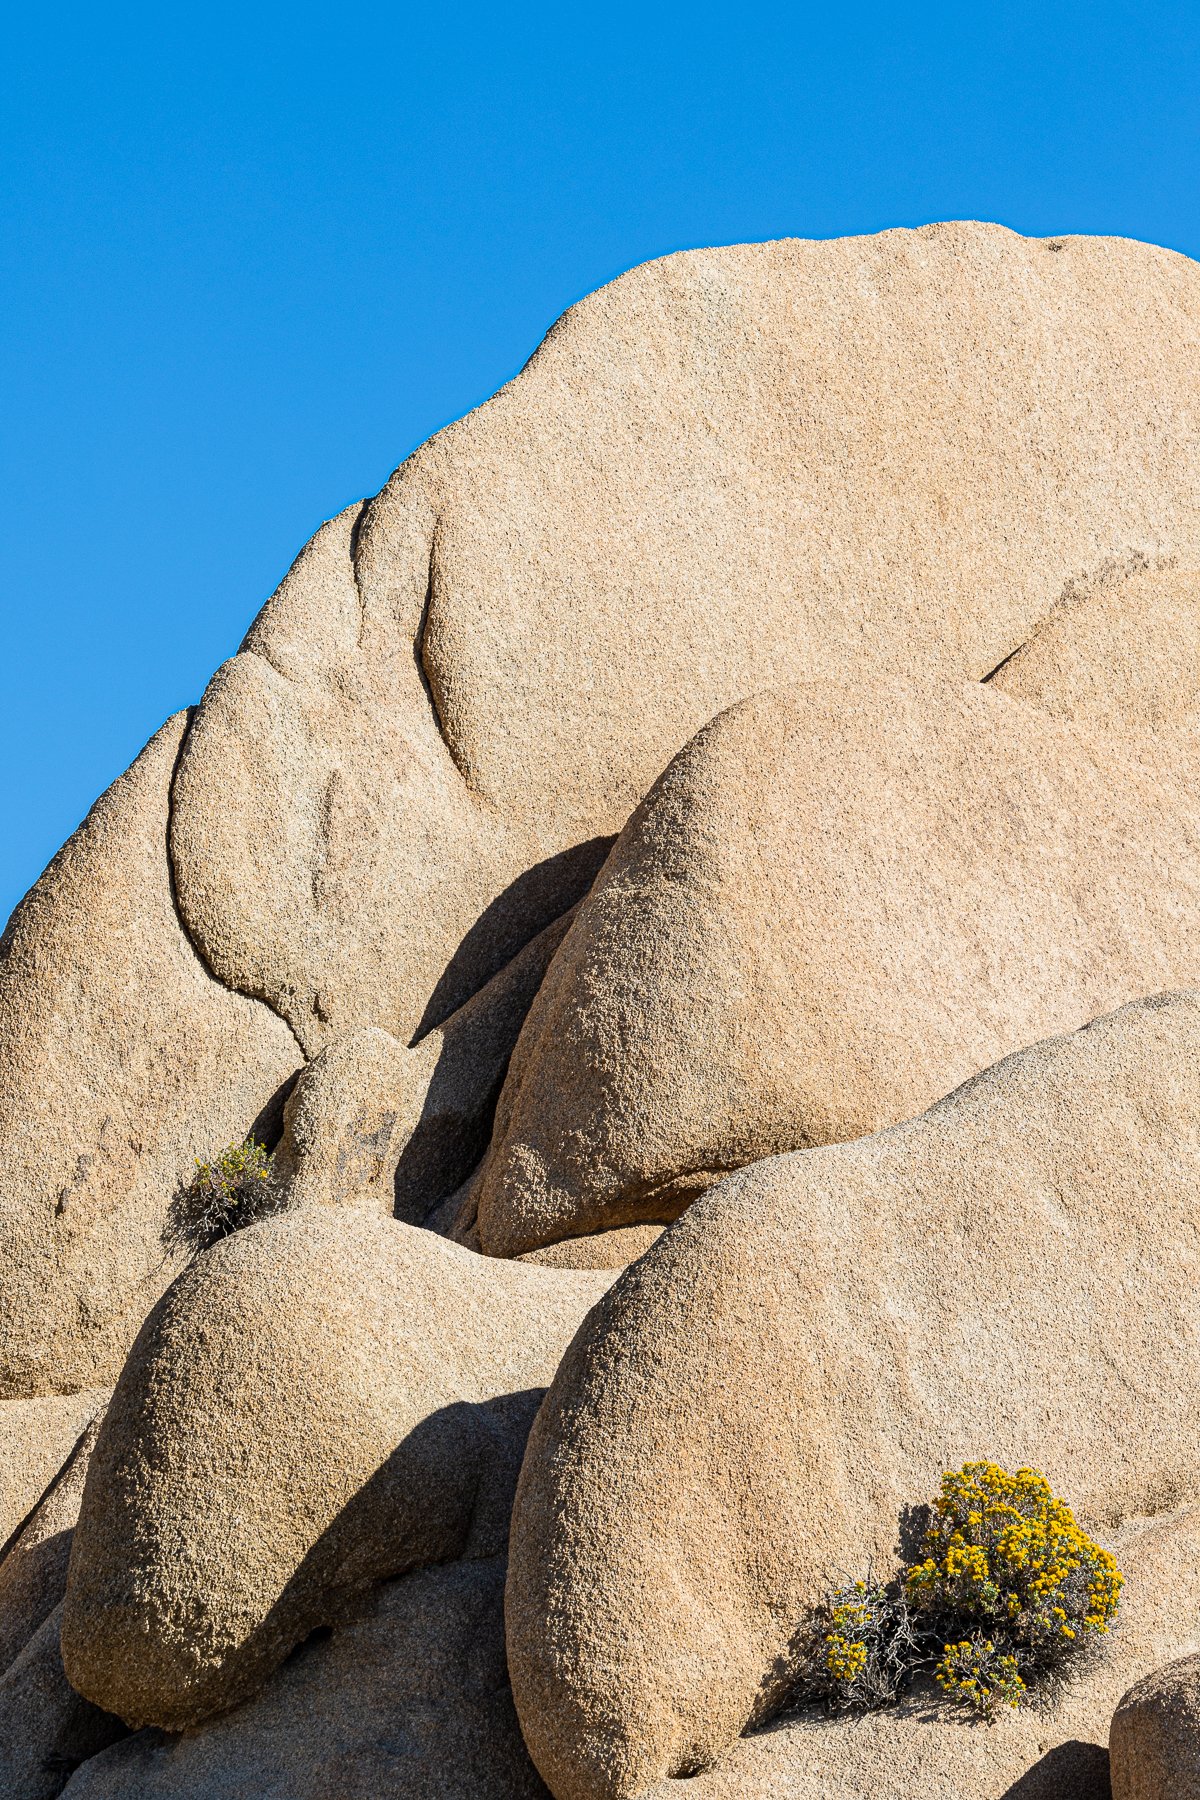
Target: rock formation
x,y
903,450
121,1060
47,1729
1121,653
33,1572
409,1699
321,1401
36,1439
775,708
833,907
369,1116
918,1749
747,1414
1155,1743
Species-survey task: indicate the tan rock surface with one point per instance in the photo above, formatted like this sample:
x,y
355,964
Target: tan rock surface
x,y
409,1700
121,1060
33,1573
370,1120
614,1249
1121,654
1155,1735
46,1728
36,1438
1013,1276
834,906
791,458
373,886
727,469
321,1401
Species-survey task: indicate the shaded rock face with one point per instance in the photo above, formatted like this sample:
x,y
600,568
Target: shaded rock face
x,y
1011,1276
887,552
47,1729
33,1571
410,1699
1155,1740
834,906
321,1401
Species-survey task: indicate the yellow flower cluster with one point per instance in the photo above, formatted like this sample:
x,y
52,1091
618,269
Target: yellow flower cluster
x,y
977,1672
846,1653
1003,1587
234,1172
1001,1546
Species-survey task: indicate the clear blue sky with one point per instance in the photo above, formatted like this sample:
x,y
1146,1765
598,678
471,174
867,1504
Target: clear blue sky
x,y
252,257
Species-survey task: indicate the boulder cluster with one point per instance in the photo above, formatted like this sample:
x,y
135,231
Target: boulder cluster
x,y
696,886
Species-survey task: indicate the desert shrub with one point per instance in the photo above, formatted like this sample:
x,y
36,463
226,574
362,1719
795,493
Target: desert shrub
x,y
232,1190
1003,1589
980,1674
865,1646
1007,1561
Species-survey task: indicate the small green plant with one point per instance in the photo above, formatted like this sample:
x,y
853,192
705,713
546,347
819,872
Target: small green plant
x,y
231,1191
1003,1590
978,1673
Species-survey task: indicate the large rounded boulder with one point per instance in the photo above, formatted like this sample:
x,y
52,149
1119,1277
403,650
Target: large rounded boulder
x,y
837,903
321,1401
728,469
739,1425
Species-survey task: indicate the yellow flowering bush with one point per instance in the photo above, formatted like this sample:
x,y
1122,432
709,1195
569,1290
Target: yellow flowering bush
x,y
1005,1557
230,1191
1003,1589
845,1649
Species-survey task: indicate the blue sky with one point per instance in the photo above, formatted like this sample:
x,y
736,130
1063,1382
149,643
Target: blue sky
x,y
251,258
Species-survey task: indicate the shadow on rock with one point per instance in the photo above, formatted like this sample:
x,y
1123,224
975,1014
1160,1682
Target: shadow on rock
x,y
1072,1771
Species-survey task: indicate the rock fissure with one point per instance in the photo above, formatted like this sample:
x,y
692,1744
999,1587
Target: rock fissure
x,y
186,932
424,672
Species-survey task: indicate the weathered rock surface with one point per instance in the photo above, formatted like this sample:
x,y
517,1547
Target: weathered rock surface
x,y
409,1700
36,1438
834,906
613,1249
1155,1736
901,448
33,1573
370,1120
121,1059
374,885
321,1401
1013,1275
46,1728
1122,654
1051,1752
909,462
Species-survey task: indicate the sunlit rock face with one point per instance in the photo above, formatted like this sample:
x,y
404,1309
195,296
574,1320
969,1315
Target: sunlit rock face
x,y
772,709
